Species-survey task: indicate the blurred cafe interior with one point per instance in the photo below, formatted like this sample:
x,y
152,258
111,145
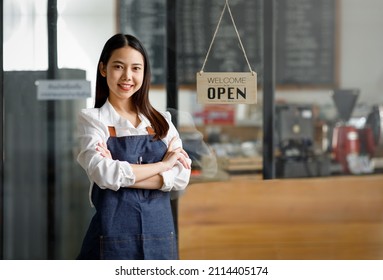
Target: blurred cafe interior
x,y
296,175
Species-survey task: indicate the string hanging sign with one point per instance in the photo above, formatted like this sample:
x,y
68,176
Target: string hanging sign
x,y
226,87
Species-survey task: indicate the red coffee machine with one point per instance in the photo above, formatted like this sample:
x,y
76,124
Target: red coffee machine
x,y
345,143
352,147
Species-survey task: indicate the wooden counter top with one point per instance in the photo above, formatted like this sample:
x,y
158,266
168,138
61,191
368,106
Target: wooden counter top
x,y
316,218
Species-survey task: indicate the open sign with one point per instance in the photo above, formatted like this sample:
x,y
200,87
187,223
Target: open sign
x,y
227,87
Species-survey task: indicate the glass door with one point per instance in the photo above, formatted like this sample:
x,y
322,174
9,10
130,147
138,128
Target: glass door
x,y
45,216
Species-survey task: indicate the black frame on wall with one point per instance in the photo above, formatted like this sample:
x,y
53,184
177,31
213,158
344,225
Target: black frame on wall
x,y
52,73
1,136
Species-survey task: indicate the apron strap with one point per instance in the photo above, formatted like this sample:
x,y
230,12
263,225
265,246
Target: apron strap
x,y
112,131
150,130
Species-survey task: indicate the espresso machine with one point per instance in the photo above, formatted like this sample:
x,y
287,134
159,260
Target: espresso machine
x,y
352,147
295,136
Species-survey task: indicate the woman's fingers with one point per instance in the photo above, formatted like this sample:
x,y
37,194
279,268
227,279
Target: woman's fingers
x,y
183,156
183,160
177,154
184,153
170,146
103,149
180,155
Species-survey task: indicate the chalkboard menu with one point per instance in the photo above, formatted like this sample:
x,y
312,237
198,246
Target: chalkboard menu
x,y
146,20
305,42
305,38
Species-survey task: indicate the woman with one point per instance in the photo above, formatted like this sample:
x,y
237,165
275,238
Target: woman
x,y
133,157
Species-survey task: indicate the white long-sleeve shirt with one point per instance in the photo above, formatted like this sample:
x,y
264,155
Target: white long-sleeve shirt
x,y
114,174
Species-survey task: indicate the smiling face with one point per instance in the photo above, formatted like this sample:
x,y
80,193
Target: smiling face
x,y
124,73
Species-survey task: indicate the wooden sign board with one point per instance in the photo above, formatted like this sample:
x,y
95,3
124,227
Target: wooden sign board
x,y
227,87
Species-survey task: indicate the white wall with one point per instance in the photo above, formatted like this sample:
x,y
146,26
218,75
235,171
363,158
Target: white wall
x,y
362,48
83,28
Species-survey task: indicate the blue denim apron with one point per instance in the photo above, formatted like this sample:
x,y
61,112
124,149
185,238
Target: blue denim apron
x,y
131,223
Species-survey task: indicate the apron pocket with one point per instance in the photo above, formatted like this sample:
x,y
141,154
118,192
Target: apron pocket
x,y
123,247
160,246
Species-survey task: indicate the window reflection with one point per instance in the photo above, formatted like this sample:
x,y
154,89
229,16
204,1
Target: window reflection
x,y
25,30
30,232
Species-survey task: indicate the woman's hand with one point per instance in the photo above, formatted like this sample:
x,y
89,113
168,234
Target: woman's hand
x,y
173,155
103,149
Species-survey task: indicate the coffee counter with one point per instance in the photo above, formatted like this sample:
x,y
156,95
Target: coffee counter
x,y
249,218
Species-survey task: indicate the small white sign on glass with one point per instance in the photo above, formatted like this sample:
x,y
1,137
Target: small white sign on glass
x,y
63,89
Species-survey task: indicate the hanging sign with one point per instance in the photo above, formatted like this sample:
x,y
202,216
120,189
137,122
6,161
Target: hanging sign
x,y
227,87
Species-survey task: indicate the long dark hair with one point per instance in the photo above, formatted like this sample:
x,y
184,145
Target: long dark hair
x,y
139,98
